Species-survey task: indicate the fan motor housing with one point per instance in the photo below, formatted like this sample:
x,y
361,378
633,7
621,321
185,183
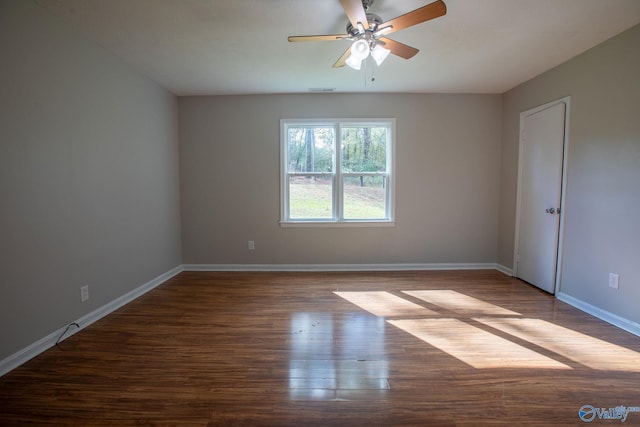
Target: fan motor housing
x,y
373,20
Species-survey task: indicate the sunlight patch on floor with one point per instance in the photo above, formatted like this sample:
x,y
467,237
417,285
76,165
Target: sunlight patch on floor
x,y
584,349
460,303
474,346
385,304
479,347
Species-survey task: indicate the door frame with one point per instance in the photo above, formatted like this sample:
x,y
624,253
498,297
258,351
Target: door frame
x,y
563,185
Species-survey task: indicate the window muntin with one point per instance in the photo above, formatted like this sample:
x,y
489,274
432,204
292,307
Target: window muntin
x,y
337,171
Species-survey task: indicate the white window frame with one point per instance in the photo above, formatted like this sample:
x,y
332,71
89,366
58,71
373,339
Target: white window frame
x,y
337,175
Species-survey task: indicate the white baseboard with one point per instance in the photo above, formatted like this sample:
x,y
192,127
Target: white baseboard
x,y
614,319
502,269
338,267
43,344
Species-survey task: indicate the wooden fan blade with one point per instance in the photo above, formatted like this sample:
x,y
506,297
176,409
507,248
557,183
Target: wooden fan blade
x,y
341,61
319,38
425,13
355,12
399,49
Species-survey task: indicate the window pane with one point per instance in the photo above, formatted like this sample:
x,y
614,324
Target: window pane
x,y
310,149
310,197
364,149
364,197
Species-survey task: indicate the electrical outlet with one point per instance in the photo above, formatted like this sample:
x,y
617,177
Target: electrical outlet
x,y
613,280
252,245
84,293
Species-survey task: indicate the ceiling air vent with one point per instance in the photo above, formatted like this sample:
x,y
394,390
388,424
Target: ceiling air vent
x,y
322,89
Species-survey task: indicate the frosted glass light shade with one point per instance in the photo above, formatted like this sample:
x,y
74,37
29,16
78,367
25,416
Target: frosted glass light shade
x,y
379,54
354,62
360,49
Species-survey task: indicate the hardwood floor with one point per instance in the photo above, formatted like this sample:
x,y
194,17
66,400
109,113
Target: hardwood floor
x,y
345,349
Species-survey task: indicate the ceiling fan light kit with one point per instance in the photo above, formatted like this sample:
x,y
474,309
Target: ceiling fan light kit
x,y
369,32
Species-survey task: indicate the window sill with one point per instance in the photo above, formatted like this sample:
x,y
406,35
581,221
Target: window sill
x,y
334,224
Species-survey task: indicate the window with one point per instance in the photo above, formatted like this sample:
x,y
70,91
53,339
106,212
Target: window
x,y
337,172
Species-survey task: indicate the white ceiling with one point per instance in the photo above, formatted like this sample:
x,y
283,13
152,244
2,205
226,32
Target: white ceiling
x,y
199,47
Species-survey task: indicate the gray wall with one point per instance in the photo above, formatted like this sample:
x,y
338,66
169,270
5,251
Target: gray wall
x,y
602,209
89,191
447,183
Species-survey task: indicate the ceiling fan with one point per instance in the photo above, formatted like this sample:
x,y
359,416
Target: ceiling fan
x,y
369,32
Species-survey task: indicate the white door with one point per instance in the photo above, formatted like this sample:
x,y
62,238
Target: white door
x,y
542,147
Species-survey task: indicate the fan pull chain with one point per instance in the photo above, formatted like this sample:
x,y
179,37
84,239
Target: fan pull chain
x,y
366,68
366,63
373,71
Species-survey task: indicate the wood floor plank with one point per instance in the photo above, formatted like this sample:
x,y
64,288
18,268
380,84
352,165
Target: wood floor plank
x,y
286,349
